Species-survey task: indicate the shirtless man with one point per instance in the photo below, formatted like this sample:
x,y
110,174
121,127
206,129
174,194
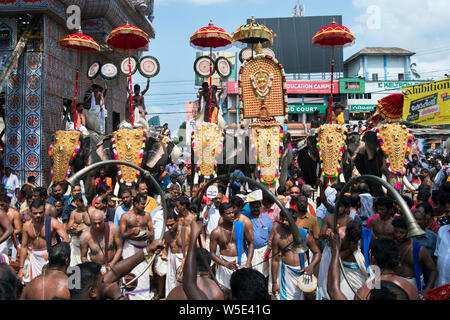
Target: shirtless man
x,y
93,241
185,216
176,241
6,228
54,281
14,218
230,237
78,222
136,228
40,193
384,255
195,265
138,97
343,219
59,207
292,264
407,261
34,237
238,204
382,225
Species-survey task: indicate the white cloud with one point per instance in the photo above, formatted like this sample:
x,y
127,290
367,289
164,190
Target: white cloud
x,y
416,25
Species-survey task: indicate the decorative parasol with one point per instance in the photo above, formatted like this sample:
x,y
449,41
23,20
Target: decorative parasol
x,y
332,36
211,37
391,107
254,33
128,38
79,42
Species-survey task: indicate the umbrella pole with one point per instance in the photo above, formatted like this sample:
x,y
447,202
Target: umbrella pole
x,y
210,84
76,94
131,89
332,73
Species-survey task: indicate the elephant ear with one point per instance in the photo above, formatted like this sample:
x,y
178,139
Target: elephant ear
x,y
155,151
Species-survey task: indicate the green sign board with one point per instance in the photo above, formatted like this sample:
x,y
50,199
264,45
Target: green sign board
x,y
393,85
305,108
362,107
351,85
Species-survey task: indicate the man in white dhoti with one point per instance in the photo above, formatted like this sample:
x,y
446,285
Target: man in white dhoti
x,y
175,240
136,228
262,227
38,234
229,236
288,266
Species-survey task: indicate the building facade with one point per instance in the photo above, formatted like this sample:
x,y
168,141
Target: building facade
x,y
44,76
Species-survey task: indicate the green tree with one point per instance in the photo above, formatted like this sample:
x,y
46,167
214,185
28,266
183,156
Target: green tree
x,y
414,71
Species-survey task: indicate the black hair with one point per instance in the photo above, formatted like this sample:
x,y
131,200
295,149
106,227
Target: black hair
x,y
199,254
385,251
8,275
7,291
444,198
195,203
89,274
345,201
172,215
37,203
137,87
267,198
184,201
224,207
353,232
427,208
237,201
31,178
338,186
170,204
58,253
138,198
400,222
101,189
56,184
408,200
27,191
386,202
125,190
281,190
5,198
248,284
423,195
41,191
78,197
293,213
354,199
363,187
139,183
222,188
388,291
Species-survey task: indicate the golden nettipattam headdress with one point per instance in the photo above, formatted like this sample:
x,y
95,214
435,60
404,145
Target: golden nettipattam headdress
x,y
331,140
207,141
395,141
262,85
129,145
266,138
63,149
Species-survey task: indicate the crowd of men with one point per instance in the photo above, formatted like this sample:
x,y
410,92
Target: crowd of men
x,y
237,243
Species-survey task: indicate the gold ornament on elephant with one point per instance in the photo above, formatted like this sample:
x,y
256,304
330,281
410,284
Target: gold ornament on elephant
x,y
331,140
129,146
267,143
207,146
62,152
395,142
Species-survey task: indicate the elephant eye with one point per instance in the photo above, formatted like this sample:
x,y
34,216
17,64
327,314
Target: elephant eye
x,y
138,135
73,138
119,136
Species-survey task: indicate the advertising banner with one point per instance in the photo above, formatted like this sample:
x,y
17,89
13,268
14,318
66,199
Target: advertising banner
x,y
427,103
362,107
297,87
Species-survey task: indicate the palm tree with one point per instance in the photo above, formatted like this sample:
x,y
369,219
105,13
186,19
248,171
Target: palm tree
x,y
414,71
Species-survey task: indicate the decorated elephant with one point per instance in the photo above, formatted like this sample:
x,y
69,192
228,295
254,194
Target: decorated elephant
x,y
308,158
384,152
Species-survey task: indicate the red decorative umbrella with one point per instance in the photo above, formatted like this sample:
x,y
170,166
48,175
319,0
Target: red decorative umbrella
x,y
391,107
211,37
333,36
79,42
128,38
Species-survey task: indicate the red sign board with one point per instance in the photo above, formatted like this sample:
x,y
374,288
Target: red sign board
x,y
297,87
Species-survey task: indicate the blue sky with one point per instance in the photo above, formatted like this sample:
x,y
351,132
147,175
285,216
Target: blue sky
x,y
416,25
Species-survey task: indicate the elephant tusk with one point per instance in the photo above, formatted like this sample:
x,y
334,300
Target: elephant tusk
x,y
408,184
341,178
384,178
